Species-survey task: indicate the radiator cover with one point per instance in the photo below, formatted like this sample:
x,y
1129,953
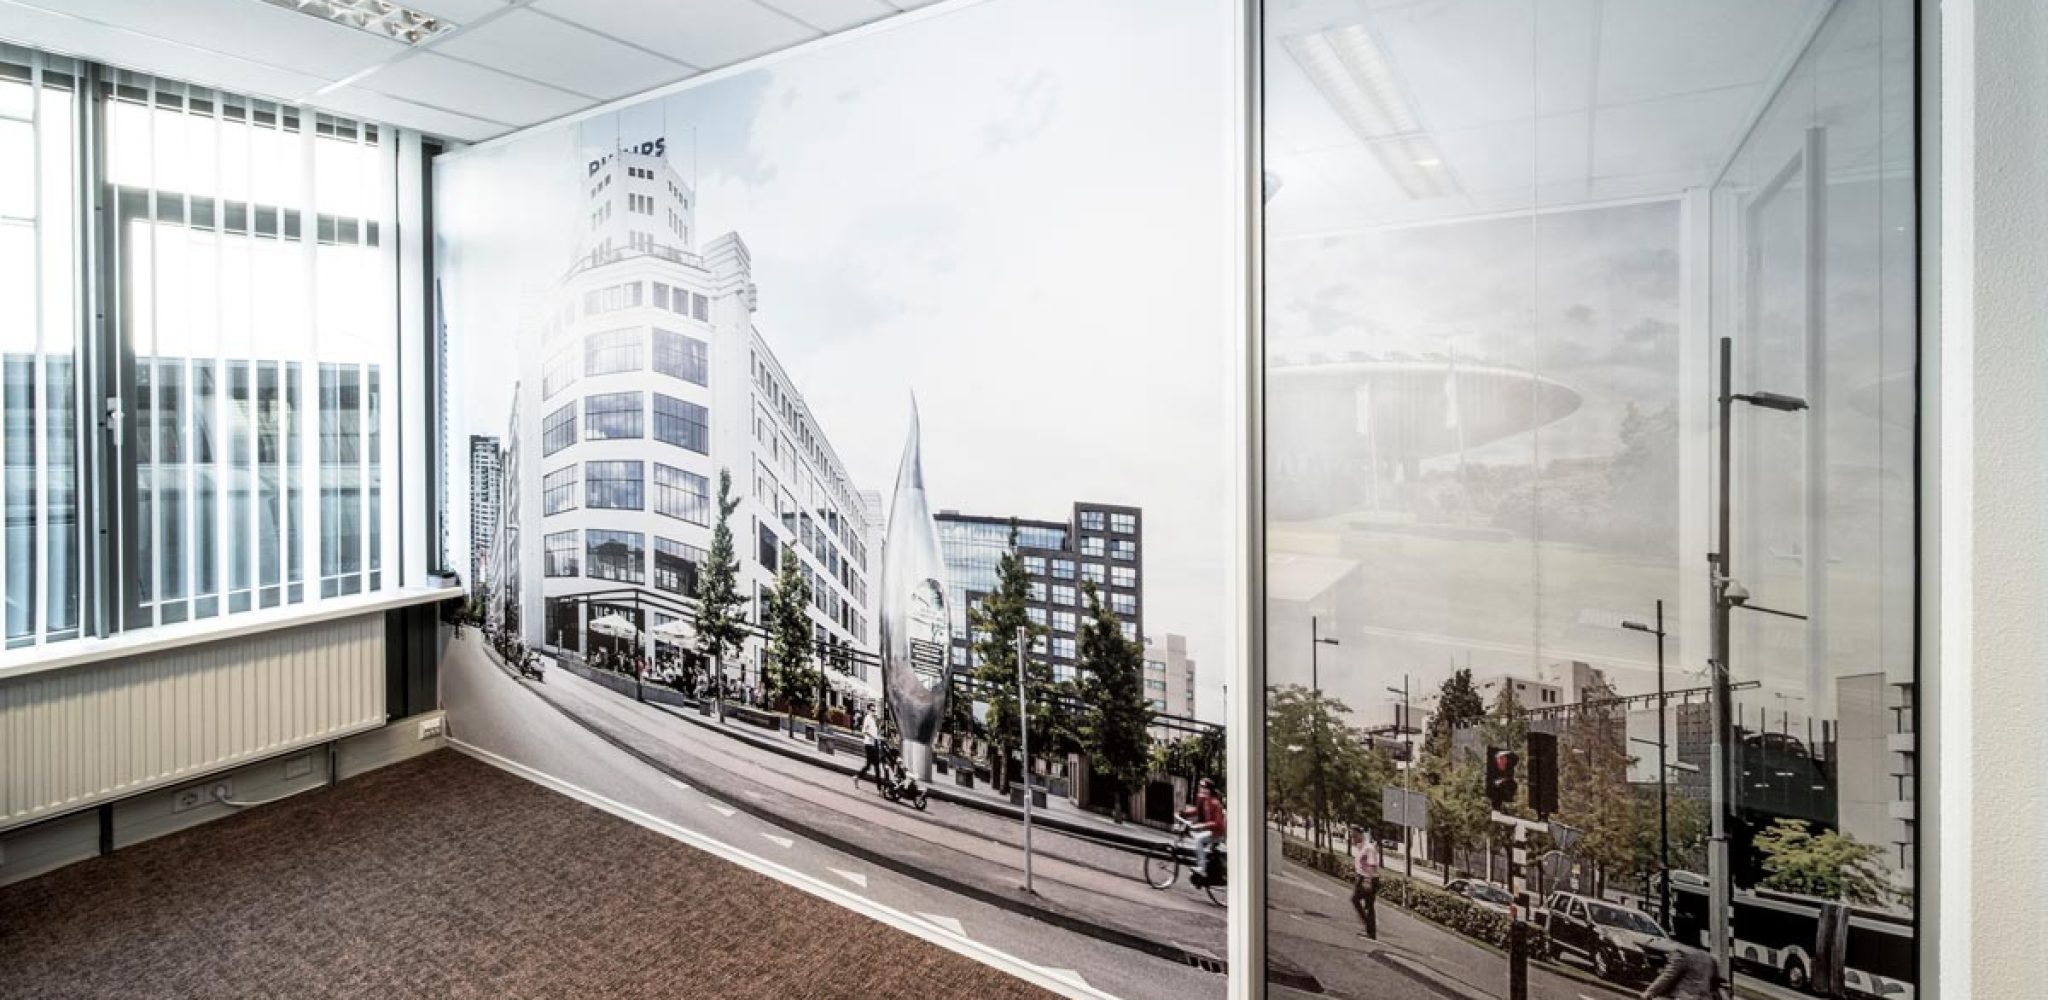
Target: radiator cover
x,y
76,737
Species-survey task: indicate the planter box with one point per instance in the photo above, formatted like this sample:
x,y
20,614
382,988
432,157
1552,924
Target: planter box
x,y
1037,796
964,777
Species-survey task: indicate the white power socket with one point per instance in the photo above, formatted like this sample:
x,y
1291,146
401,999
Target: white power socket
x,y
430,728
189,798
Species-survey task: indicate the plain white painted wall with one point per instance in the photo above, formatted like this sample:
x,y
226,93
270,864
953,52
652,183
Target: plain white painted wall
x,y
1993,881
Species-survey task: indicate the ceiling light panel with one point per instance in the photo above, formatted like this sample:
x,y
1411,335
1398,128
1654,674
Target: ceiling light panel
x,y
378,17
1347,67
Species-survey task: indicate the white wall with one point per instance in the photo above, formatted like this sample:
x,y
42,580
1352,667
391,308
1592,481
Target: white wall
x,y
1991,800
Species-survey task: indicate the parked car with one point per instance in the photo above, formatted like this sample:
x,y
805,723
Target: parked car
x,y
1485,894
1621,945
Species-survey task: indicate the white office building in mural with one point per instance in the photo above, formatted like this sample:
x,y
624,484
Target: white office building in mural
x,y
640,379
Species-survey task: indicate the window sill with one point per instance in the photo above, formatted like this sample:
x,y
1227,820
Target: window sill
x,y
80,652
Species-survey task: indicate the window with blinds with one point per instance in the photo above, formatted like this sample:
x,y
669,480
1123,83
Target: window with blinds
x,y
224,440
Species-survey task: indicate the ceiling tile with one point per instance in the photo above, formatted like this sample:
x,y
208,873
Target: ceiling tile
x,y
458,12
453,85
833,15
359,103
254,31
135,50
704,33
561,54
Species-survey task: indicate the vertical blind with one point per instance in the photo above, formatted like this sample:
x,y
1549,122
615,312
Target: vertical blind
x,y
39,335
233,406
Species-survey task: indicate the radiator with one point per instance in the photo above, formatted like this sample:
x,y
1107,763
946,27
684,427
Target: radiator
x,y
74,737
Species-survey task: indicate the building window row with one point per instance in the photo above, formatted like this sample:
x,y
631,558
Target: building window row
x,y
615,555
612,351
559,372
611,416
1124,524
559,489
558,430
682,302
682,356
677,566
613,486
681,494
640,204
612,298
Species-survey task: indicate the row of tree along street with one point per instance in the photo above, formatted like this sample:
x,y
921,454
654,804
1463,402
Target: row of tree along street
x,y
1325,775
1103,715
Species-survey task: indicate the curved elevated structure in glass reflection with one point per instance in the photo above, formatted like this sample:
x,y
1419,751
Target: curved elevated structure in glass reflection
x,y
1341,425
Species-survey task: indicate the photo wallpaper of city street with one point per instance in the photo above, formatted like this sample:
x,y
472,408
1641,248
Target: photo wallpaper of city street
x,y
1496,298
785,407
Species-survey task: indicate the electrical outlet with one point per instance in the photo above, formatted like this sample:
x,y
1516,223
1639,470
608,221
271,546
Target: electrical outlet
x,y
298,767
220,790
188,798
430,728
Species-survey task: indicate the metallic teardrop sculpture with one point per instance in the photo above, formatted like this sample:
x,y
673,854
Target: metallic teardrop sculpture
x,y
916,626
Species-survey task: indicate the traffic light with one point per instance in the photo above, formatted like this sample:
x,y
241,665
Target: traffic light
x,y
1543,774
1500,778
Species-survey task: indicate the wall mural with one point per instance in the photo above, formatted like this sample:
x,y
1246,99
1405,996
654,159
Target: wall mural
x,y
785,408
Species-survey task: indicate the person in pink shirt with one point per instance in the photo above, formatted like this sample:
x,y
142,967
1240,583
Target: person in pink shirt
x,y
1365,883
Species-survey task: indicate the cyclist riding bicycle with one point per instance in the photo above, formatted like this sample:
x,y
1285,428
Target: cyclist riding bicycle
x,y
1207,823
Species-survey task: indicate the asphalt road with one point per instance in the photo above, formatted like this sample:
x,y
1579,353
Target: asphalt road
x,y
1310,920
493,712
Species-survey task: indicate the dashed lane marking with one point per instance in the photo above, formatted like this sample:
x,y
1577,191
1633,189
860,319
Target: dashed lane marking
x,y
783,842
855,877
724,811
946,922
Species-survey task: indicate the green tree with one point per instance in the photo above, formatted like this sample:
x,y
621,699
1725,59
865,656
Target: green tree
x,y
1116,717
1830,865
1593,793
791,675
1193,757
1454,782
1315,765
721,610
994,622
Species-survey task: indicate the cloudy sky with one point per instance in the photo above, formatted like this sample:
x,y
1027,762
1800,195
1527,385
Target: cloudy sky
x,y
1021,210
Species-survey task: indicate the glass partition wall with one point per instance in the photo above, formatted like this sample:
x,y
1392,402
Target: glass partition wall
x,y
1516,666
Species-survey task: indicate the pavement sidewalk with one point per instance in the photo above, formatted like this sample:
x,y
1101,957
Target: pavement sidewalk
x,y
1116,907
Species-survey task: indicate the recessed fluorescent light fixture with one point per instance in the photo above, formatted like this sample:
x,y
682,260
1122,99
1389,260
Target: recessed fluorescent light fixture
x,y
378,17
1353,74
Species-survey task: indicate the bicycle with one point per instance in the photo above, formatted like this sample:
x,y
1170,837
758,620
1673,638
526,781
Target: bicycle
x,y
1163,870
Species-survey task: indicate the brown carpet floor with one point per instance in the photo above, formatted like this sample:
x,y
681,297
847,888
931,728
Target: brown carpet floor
x,y
445,877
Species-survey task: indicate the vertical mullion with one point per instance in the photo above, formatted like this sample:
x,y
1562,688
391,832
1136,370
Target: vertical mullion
x,y
310,582
156,500
186,430
223,444
40,501
252,420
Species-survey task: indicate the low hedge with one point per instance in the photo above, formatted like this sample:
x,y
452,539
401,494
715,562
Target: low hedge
x,y
1430,902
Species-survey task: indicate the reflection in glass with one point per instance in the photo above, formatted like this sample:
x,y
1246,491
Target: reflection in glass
x,y
1502,242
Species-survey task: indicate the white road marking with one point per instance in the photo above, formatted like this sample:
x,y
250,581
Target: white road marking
x,y
1067,976
855,877
783,842
722,810
1302,884
946,922
678,784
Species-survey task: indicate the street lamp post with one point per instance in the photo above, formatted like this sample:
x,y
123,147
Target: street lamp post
x,y
1408,791
1663,770
1727,595
1315,722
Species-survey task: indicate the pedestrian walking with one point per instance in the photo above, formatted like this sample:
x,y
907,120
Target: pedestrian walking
x,y
1365,882
1689,974
871,743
